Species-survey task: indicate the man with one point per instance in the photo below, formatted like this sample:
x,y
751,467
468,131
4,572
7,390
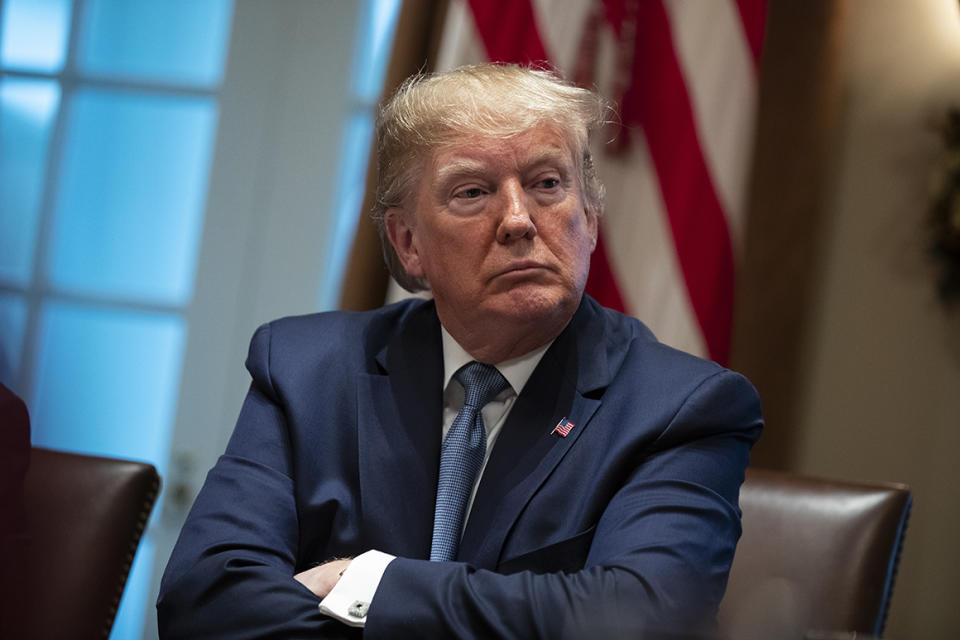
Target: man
x,y
585,483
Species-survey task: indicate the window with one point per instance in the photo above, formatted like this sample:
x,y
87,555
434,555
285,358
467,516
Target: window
x,y
110,118
108,112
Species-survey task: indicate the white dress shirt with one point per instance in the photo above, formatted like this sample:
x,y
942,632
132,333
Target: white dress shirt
x,y
355,590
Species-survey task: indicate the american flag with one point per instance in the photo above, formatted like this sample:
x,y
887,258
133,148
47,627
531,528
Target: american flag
x,y
563,427
683,74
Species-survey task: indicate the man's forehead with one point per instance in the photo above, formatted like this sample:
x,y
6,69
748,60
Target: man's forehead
x,y
479,154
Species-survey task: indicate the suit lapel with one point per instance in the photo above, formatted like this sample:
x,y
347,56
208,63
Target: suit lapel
x,y
399,426
568,382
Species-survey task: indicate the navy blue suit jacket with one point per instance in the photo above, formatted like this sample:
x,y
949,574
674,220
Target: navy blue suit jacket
x,y
630,520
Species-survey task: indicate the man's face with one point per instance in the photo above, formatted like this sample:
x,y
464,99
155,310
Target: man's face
x,y
500,232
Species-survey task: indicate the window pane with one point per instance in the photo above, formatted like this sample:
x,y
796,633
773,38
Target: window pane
x,y
27,111
348,205
133,188
13,320
106,381
33,34
129,621
375,38
180,41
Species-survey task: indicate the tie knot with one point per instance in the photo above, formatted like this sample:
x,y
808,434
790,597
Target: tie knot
x,y
481,383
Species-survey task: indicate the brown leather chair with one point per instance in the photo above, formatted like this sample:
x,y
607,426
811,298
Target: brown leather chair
x,y
85,516
816,555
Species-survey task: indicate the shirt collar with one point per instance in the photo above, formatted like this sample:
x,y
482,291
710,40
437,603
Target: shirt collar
x,y
516,370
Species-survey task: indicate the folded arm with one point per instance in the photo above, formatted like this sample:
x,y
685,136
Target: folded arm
x,y
231,574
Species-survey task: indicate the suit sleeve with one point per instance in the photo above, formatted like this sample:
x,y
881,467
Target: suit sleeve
x,y
231,572
659,557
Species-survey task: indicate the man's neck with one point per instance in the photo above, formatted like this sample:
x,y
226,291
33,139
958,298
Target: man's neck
x,y
516,370
495,346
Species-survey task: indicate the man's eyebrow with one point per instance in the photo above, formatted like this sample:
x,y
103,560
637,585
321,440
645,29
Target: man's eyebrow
x,y
552,156
460,167
468,167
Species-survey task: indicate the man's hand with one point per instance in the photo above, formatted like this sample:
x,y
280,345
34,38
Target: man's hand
x,y
323,578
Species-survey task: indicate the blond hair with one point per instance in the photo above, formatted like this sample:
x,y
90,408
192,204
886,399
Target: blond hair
x,y
429,111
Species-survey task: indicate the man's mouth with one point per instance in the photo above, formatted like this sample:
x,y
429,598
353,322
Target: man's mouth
x,y
521,267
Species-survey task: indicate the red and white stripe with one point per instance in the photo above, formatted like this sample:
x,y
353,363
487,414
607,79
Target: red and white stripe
x,y
684,75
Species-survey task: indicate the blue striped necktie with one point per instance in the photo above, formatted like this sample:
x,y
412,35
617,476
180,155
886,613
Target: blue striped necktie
x,y
461,456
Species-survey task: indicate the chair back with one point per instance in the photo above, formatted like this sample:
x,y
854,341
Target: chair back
x,y
816,555
85,515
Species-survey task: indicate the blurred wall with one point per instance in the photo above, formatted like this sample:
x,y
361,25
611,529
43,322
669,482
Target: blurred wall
x,y
880,385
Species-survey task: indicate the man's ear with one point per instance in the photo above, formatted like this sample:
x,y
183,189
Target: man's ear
x,y
593,227
401,232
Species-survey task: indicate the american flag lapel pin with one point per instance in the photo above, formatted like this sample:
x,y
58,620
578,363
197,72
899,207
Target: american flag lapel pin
x,y
563,427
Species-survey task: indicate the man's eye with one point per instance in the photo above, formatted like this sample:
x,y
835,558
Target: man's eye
x,y
549,183
469,194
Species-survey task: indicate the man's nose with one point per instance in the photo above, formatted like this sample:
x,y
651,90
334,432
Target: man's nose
x,y
516,222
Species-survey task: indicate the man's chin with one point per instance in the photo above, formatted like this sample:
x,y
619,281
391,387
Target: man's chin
x,y
533,303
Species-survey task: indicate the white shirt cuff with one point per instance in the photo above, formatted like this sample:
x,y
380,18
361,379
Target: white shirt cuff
x,y
350,598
